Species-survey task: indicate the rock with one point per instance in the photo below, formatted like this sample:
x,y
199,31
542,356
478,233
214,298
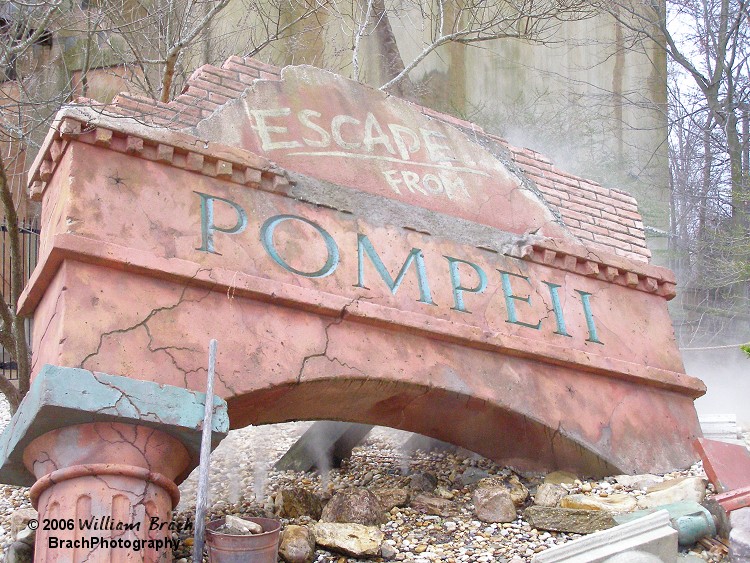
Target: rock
x,y
239,526
356,506
549,494
641,482
390,498
19,552
296,501
350,539
518,492
20,519
739,537
739,546
612,503
471,476
568,519
442,492
423,481
297,544
494,505
387,551
433,505
674,490
560,478
27,536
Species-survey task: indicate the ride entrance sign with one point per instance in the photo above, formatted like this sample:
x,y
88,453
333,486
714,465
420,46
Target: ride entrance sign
x,y
358,258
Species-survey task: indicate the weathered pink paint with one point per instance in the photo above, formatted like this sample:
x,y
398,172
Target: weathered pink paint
x,y
345,289
101,487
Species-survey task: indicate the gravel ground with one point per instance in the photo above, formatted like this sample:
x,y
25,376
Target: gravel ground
x,y
243,483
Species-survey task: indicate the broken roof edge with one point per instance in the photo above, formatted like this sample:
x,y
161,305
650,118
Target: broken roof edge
x,y
174,148
602,219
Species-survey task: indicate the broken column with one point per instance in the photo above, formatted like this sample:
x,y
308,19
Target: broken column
x,y
104,455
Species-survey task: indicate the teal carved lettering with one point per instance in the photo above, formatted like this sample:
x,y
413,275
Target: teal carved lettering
x,y
511,298
593,336
557,308
266,238
364,246
208,227
458,289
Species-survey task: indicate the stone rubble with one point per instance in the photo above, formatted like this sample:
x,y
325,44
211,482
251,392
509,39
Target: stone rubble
x,y
445,528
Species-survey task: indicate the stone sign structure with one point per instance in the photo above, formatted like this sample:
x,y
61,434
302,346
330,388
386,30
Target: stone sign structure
x,y
359,258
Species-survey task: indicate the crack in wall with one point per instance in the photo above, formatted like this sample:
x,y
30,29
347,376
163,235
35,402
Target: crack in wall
x,y
324,354
144,323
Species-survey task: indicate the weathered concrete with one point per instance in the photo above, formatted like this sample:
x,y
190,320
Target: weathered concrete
x,y
61,397
651,535
361,295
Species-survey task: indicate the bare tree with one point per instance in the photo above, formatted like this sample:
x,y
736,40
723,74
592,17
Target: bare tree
x,y
709,40
708,44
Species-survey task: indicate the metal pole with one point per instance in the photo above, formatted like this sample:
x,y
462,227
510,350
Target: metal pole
x,y
202,500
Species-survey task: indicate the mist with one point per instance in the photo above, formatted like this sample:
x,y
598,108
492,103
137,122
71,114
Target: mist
x,y
726,373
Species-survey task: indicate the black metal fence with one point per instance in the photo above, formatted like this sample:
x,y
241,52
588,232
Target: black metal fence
x,y
29,257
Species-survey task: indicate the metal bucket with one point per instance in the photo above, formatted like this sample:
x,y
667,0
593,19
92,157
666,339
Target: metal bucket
x,y
258,548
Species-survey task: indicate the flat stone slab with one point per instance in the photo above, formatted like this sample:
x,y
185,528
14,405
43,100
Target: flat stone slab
x,y
727,465
61,397
648,539
571,520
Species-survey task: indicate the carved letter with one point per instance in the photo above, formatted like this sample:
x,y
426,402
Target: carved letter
x,y
593,336
458,289
364,246
510,299
207,221
304,118
266,237
264,129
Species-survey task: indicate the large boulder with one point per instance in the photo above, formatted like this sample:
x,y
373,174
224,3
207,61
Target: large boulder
x,y
357,506
294,502
494,505
19,520
297,544
674,490
350,539
517,490
549,494
434,505
391,497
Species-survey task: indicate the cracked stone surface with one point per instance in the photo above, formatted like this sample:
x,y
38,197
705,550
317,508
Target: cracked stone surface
x,y
470,182
131,285
64,397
